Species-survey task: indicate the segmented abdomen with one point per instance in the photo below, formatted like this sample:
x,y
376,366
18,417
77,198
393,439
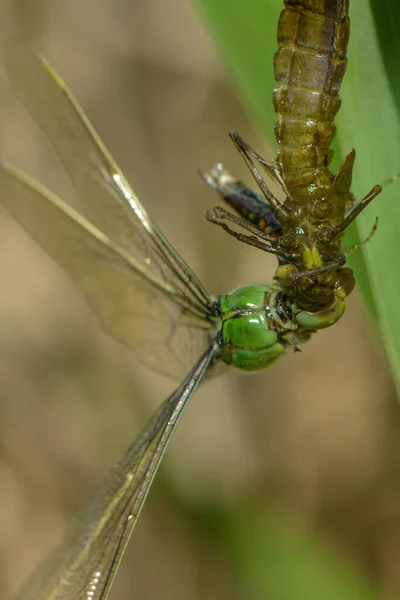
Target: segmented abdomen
x,y
309,66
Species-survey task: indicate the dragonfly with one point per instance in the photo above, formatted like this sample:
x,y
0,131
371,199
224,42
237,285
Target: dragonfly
x,y
148,298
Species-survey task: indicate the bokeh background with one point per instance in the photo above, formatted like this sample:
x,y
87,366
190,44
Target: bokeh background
x,y
276,485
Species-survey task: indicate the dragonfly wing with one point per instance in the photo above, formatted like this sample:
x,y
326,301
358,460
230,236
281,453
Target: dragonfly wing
x,y
105,196
86,563
144,312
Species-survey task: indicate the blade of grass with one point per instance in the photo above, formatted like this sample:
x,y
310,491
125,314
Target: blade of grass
x,y
280,560
246,34
273,555
369,122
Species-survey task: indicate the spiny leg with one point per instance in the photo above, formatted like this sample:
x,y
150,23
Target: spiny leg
x,y
218,216
353,214
367,239
220,213
294,276
251,206
246,153
271,168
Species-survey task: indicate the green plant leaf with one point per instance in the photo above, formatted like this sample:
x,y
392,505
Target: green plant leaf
x,y
274,555
369,122
284,562
246,34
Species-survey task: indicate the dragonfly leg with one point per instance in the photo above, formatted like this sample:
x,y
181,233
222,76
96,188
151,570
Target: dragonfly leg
x,y
273,169
292,275
248,154
352,215
363,242
219,216
251,206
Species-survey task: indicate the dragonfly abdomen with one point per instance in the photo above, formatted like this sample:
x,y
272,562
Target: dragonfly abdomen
x,y
253,207
309,66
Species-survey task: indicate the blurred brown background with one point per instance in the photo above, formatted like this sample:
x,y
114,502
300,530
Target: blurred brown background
x,y
316,435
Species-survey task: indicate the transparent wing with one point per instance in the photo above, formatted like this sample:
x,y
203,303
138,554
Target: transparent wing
x,y
168,322
137,307
84,566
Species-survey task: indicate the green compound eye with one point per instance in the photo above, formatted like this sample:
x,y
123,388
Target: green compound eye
x,y
254,322
247,343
